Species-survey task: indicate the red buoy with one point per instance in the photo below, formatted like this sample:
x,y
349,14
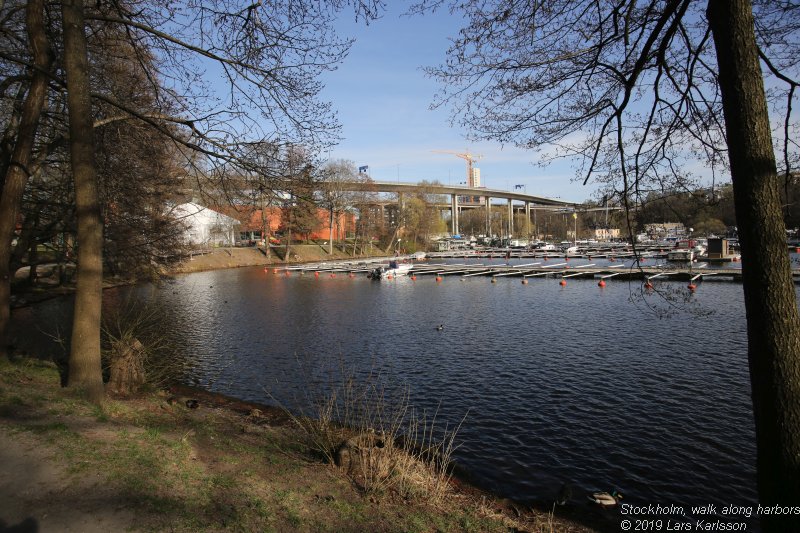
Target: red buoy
x,y
563,283
601,283
438,278
316,274
692,287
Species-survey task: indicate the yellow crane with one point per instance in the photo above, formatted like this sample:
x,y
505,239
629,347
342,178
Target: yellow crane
x,y
469,158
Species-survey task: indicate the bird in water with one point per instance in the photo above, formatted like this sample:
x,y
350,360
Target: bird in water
x,y
440,327
606,499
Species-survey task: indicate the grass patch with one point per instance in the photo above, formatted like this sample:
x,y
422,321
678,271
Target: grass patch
x,y
213,469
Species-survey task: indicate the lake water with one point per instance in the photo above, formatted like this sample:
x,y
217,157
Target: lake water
x,y
603,388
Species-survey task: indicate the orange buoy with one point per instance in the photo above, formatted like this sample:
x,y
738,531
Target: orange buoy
x,y
287,273
413,278
333,275
601,283
351,275
438,278
648,285
563,283
316,274
266,269
274,270
692,287
735,259
524,281
388,276
797,250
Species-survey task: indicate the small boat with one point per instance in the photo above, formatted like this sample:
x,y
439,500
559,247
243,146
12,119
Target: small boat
x,y
394,269
684,255
686,251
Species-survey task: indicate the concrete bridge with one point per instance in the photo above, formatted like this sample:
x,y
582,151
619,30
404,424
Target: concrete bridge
x,y
461,196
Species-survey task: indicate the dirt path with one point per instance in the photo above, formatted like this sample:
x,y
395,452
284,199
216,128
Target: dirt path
x,y
38,495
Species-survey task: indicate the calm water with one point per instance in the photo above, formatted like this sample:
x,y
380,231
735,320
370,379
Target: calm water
x,y
576,384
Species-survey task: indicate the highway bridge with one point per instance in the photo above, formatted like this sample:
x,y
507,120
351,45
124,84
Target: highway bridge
x,y
464,197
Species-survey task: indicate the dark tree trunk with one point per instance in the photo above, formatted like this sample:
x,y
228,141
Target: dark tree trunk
x,y
85,369
18,170
773,326
330,231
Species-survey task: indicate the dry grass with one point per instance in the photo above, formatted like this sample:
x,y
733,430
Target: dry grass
x,y
221,467
379,439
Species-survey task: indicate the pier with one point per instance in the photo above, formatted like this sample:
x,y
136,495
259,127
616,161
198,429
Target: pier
x,y
554,266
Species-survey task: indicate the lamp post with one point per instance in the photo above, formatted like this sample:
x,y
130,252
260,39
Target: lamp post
x,y
575,235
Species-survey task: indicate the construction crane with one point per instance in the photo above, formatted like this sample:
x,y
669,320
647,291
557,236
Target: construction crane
x,y
469,158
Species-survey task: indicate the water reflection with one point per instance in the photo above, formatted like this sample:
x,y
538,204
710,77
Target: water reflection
x,y
561,384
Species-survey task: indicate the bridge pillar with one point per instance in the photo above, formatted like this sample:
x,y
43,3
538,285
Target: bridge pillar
x,y
488,216
510,218
528,218
454,214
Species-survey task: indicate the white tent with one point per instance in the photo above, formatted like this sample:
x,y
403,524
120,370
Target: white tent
x,y
205,226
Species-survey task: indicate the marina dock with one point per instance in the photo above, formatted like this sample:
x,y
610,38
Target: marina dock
x,y
550,266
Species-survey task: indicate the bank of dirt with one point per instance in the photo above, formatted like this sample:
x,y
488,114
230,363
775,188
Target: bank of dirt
x,y
47,285
161,462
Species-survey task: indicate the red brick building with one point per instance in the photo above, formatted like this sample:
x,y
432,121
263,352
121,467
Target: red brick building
x,y
251,224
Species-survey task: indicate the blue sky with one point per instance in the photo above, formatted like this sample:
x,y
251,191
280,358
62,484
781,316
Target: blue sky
x,y
382,98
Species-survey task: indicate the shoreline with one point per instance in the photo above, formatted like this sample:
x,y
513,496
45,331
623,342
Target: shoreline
x,y
506,507
23,295
150,462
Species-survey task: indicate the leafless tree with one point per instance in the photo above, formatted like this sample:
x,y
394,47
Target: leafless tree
x,y
269,58
636,91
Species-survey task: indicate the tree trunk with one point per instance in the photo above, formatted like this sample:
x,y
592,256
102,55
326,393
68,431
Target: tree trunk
x,y
85,369
330,232
18,170
773,326
265,231
289,229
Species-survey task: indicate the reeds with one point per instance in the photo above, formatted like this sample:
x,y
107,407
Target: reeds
x,y
379,439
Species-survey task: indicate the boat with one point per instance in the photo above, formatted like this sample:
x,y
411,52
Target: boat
x,y
394,269
684,255
686,251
